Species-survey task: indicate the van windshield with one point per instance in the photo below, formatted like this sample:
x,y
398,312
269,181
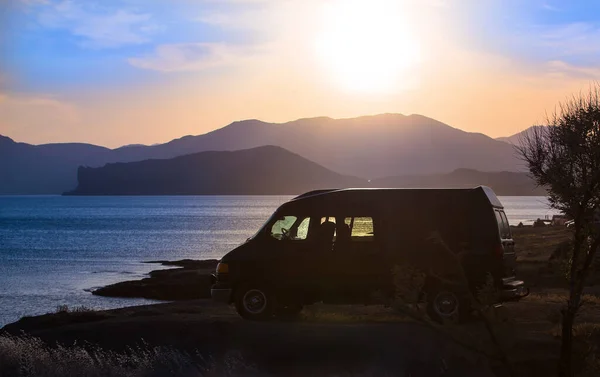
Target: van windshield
x,y
290,228
263,226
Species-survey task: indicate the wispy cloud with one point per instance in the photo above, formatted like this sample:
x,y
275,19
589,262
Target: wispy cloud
x,y
183,57
23,101
97,26
34,2
550,7
35,116
561,69
578,38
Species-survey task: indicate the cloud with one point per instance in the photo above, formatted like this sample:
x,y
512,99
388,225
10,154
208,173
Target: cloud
x,y
183,57
34,2
36,117
578,38
96,26
561,69
550,7
15,102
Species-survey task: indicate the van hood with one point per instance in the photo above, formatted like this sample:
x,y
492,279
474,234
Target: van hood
x,y
244,252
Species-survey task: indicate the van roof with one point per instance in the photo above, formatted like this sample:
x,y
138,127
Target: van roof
x,y
362,192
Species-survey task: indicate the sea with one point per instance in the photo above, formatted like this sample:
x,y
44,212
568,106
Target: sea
x,y
55,250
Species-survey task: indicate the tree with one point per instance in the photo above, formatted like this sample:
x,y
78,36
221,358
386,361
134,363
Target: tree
x,y
564,157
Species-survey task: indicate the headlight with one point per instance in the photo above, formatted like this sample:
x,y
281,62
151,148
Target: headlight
x,y
222,268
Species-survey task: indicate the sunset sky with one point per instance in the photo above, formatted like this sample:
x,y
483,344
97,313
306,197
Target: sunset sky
x,y
143,71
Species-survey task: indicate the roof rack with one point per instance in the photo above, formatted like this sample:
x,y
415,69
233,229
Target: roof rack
x,y
314,192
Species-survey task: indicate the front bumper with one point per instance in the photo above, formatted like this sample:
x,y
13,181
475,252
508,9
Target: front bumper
x,y
220,292
222,295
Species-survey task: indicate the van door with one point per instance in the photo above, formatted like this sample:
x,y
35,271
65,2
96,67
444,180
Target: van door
x,y
355,260
292,259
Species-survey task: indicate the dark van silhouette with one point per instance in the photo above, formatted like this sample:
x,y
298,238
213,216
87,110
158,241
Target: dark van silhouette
x,y
340,246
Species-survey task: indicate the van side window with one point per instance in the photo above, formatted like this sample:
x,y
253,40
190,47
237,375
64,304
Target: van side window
x,y
361,228
506,224
330,219
290,228
503,227
302,232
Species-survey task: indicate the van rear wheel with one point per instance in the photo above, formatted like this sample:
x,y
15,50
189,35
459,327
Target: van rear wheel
x,y
254,302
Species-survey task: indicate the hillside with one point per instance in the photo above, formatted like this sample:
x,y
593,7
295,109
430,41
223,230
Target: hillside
x,y
267,170
264,170
44,169
503,183
370,147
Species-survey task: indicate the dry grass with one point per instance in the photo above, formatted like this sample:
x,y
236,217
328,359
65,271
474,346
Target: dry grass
x,y
30,357
537,244
349,314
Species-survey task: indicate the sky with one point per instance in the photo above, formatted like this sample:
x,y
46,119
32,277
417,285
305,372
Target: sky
x,y
123,72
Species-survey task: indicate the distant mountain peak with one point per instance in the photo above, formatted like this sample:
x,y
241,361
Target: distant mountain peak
x,y
516,138
5,139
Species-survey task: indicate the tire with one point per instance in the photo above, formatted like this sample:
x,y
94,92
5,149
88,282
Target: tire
x,y
254,302
446,305
288,312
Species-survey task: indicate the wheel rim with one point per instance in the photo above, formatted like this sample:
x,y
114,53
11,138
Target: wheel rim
x,y
255,301
445,304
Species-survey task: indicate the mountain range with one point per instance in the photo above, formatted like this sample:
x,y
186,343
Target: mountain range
x,y
369,147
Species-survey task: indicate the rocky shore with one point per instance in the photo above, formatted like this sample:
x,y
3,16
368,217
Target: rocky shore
x,y
189,280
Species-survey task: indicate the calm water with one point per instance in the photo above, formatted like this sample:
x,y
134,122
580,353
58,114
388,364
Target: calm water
x,y
54,249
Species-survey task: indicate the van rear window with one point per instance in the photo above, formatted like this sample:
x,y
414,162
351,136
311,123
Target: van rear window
x,y
503,226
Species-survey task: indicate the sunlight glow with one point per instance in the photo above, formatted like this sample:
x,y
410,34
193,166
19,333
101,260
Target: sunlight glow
x,y
367,46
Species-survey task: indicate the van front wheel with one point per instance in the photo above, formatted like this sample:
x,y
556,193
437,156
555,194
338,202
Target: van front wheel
x,y
254,302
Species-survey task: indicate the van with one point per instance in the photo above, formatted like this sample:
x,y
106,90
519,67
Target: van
x,y
340,246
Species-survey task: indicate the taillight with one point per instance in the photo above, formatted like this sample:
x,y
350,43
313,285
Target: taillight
x,y
500,250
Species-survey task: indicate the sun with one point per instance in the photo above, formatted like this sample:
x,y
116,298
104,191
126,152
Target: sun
x,y
367,46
